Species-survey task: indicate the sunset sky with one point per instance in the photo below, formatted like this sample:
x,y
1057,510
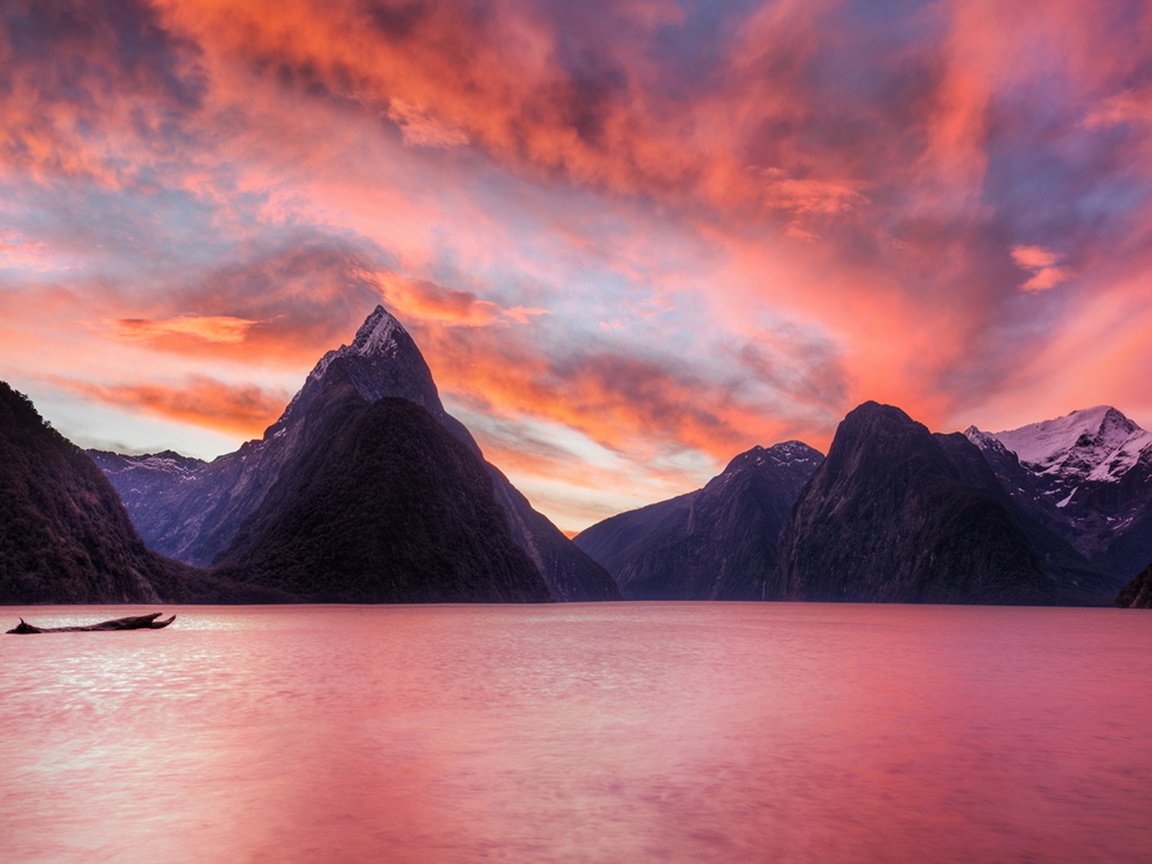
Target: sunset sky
x,y
632,239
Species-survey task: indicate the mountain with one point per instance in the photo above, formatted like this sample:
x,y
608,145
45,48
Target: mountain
x,y
998,474
717,543
1088,475
64,535
889,517
1137,594
194,512
383,506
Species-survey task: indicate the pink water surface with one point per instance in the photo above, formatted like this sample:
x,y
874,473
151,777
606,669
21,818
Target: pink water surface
x,y
586,733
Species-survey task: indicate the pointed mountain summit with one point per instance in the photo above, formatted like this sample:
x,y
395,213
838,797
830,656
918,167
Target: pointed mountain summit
x,y
382,361
207,518
888,517
717,543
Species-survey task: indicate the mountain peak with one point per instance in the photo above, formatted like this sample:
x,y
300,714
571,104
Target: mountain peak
x,y
778,456
875,412
1101,430
377,335
873,422
382,361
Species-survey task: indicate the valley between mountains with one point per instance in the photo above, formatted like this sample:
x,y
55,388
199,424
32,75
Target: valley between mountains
x,y
367,491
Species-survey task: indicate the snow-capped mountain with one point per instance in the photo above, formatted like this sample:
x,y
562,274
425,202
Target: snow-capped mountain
x,y
201,518
717,543
1089,474
1097,444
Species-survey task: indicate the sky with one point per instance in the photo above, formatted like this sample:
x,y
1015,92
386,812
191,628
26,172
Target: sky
x,y
632,239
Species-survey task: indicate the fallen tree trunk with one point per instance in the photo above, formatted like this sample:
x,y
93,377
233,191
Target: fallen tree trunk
x,y
139,622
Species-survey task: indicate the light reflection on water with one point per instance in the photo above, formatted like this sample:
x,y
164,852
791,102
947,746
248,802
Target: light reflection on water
x,y
610,732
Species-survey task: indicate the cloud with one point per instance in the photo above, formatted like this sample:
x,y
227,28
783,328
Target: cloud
x,y
1131,106
420,300
209,328
1043,264
630,405
200,400
285,302
421,129
807,195
79,75
524,314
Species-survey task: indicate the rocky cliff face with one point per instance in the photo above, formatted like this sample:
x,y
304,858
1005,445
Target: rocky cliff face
x,y
718,543
888,517
64,535
996,472
194,515
1137,594
383,506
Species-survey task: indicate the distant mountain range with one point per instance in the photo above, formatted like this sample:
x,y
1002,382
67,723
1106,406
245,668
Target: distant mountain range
x,y
718,543
899,514
366,490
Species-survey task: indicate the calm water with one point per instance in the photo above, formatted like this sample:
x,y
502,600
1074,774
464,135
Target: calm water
x,y
629,732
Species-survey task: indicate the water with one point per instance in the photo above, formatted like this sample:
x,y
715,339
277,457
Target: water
x,y
598,733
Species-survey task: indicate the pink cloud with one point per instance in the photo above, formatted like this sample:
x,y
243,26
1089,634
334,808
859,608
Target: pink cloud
x,y
422,129
1043,264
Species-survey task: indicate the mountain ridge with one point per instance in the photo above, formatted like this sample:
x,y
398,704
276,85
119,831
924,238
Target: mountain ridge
x,y
716,543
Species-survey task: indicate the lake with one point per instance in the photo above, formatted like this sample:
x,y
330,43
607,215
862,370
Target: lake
x,y
626,732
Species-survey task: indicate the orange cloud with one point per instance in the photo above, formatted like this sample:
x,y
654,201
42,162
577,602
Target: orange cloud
x,y
209,328
419,300
421,129
202,401
626,404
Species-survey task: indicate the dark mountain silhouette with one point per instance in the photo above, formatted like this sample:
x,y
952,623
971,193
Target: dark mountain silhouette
x,y
888,517
1008,482
64,535
717,543
382,505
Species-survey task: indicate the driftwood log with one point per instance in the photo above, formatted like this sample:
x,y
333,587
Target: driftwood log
x,y
139,622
